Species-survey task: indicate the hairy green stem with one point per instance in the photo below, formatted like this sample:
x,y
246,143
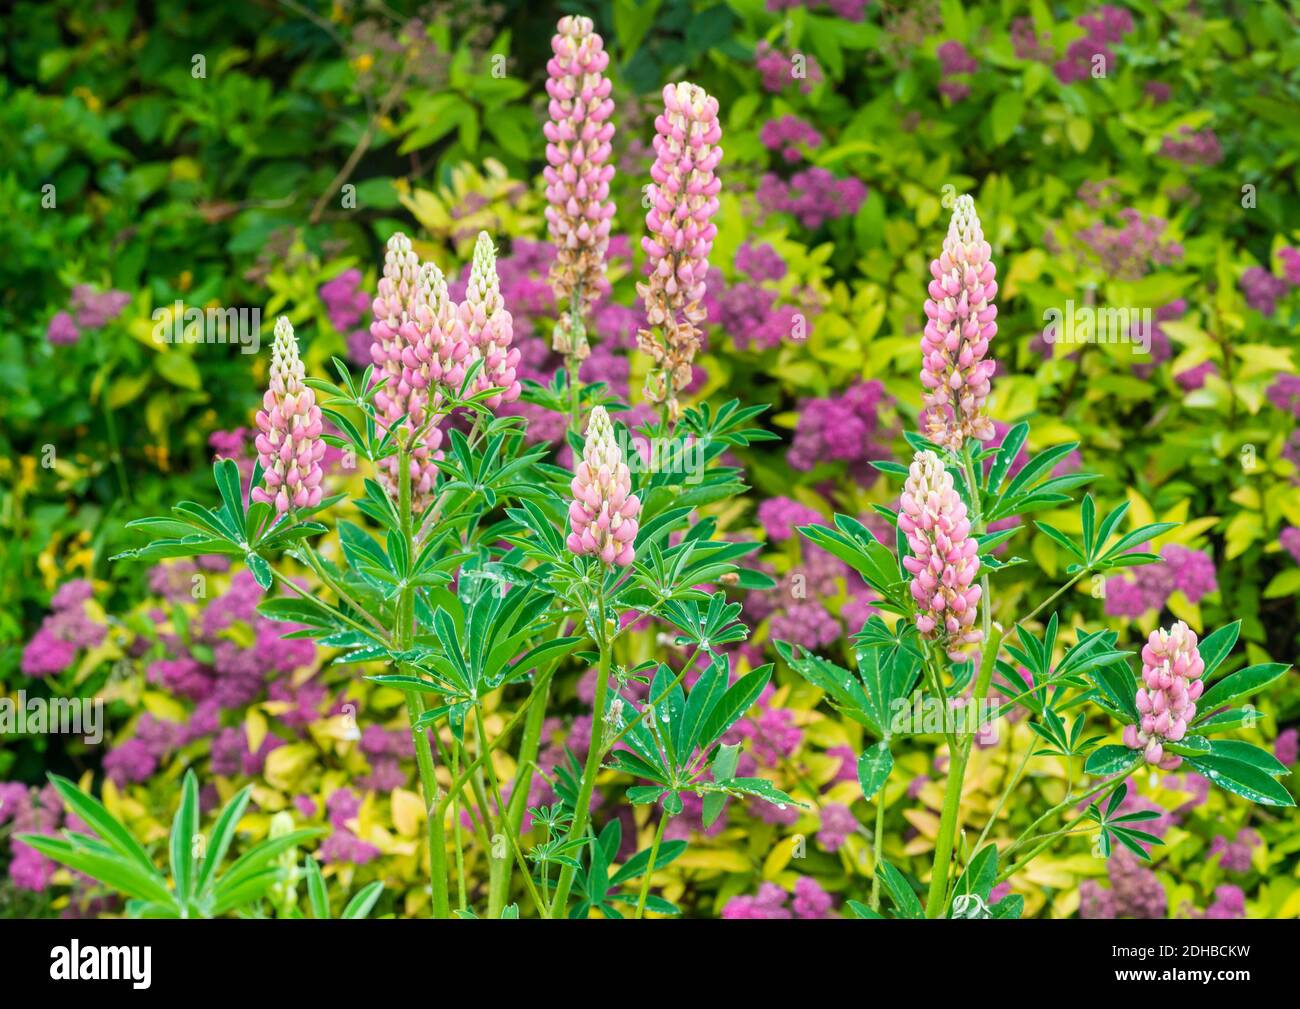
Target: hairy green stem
x,y
501,870
501,817
878,846
595,753
650,866
437,828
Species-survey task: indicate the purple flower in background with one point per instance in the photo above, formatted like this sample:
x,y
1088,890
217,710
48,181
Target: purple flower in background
x,y
62,330
1287,746
1134,892
1262,289
846,428
1158,91
1229,903
810,900
777,69
1194,378
780,515
837,824
814,196
768,903
1128,252
1193,147
1234,855
1284,394
1290,265
786,134
1105,27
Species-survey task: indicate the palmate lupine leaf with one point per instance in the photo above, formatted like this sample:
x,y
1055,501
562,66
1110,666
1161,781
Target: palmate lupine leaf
x,y
198,888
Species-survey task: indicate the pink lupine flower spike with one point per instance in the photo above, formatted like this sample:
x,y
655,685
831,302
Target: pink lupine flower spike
x,y
289,444
945,562
960,323
1166,703
604,512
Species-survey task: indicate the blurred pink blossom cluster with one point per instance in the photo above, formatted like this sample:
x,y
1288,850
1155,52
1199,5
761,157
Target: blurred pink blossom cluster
x,y
790,135
89,309
1193,147
812,196
955,60
1103,28
810,901
777,69
64,633
1181,569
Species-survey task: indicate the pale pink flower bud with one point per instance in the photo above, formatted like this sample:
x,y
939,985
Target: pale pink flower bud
x,y
960,322
604,512
1171,669
945,561
488,327
289,445
577,172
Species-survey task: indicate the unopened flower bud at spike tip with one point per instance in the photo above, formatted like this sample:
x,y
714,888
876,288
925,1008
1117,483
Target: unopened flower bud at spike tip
x,y
289,445
603,515
945,556
489,327
960,321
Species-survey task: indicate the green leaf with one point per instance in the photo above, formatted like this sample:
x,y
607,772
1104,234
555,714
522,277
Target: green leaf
x,y
1248,753
360,905
905,900
1240,684
117,872
874,767
222,834
1216,646
184,834
316,892
1242,779
738,699
91,811
1107,760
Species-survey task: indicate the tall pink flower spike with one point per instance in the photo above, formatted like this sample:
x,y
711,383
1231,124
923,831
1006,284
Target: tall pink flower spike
x,y
489,327
945,561
578,135
433,355
683,202
1171,671
392,309
289,444
604,512
960,323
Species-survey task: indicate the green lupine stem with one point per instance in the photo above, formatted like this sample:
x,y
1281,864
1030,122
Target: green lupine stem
x,y
595,753
959,754
576,326
650,866
877,846
502,869
462,890
317,565
943,843
437,830
501,824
